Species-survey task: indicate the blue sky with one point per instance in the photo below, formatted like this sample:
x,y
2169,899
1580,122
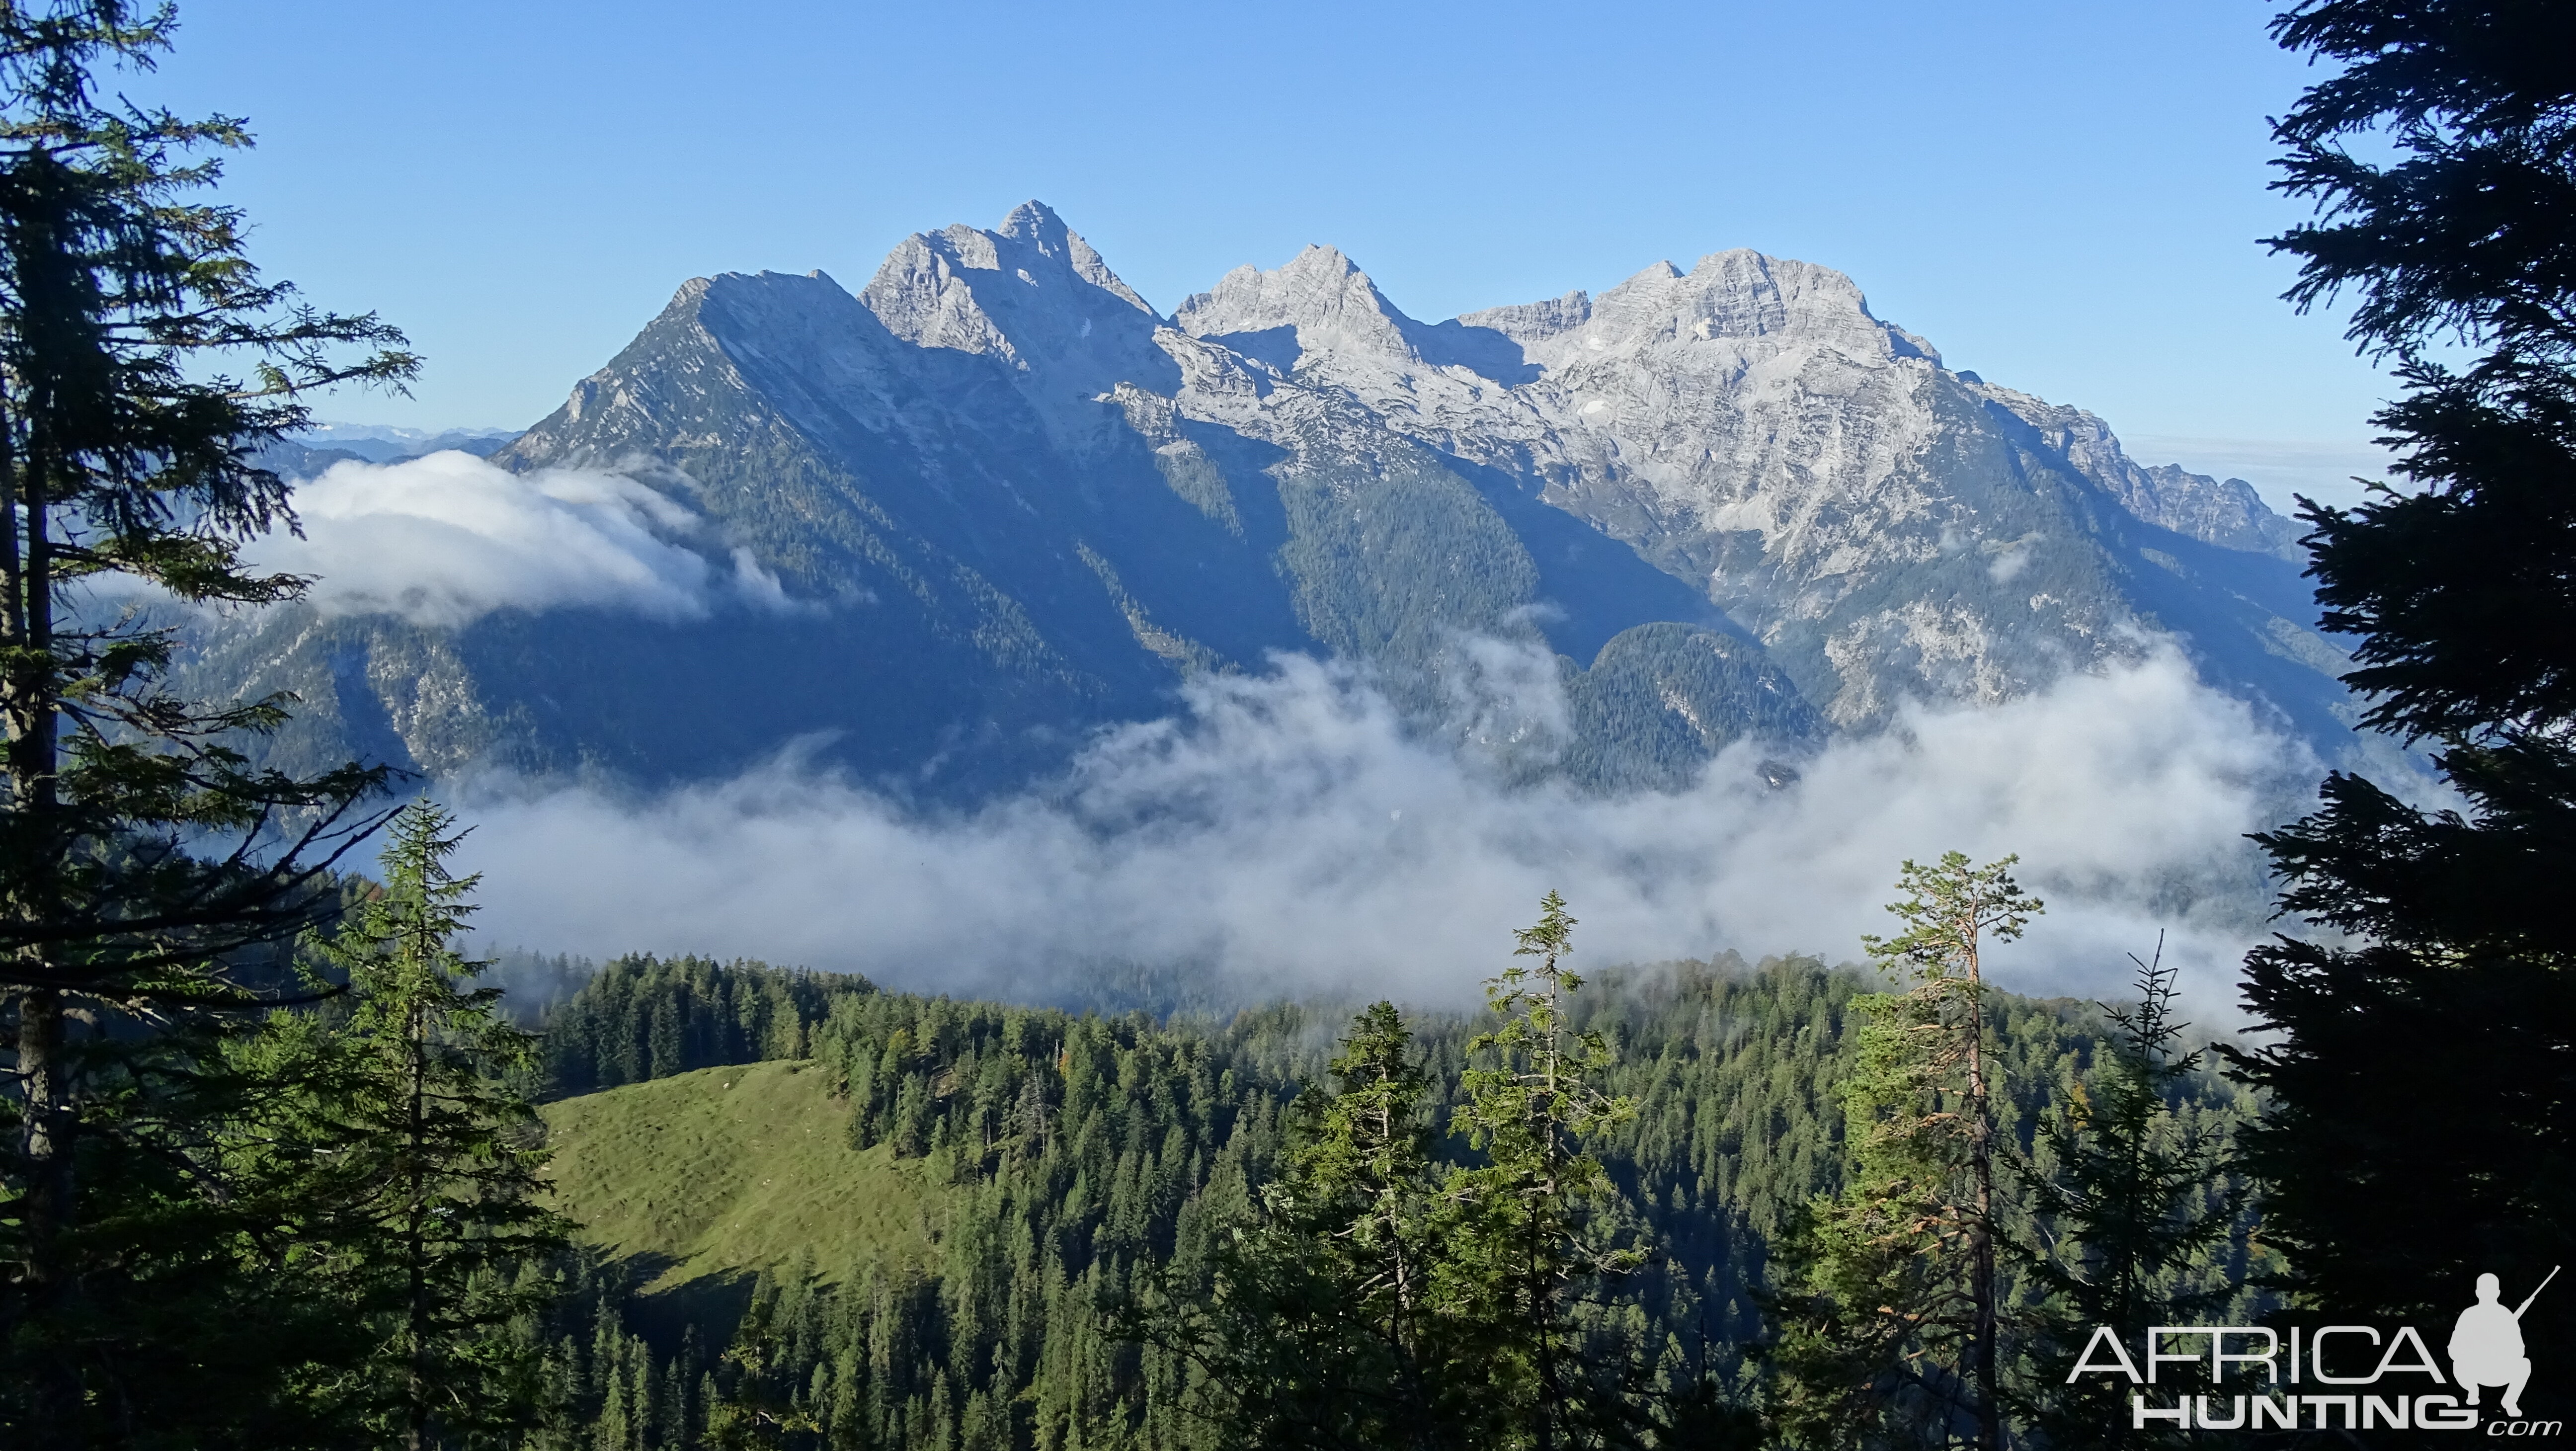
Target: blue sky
x,y
2064,197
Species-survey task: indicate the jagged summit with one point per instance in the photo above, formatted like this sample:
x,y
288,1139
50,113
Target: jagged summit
x,y
1033,294
1733,295
1036,221
1320,295
1005,503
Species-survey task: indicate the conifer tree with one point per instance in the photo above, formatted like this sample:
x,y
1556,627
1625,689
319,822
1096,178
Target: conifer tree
x,y
1379,1301
1367,1164
425,1193
757,1413
2420,1068
1358,1186
1317,1327
1890,1316
140,849
1529,1232
2132,1199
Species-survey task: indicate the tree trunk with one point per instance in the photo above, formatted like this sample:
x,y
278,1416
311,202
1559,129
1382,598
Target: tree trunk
x,y
416,1386
1551,1391
1981,1228
47,1092
45,1147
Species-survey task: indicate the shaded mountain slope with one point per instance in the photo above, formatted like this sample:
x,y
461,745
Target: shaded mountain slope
x,y
1004,502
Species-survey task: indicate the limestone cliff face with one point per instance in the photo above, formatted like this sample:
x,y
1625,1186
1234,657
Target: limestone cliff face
x,y
1012,501
1890,529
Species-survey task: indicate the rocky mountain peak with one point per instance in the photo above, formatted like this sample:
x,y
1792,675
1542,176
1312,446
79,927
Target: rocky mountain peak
x,y
1320,296
1010,504
1033,294
1035,221
1739,296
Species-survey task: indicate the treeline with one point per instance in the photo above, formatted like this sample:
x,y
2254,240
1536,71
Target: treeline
x,y
1093,1162
643,1017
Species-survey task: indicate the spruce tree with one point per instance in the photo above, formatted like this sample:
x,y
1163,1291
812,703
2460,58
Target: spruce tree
x,y
425,1200
2419,1068
1315,1324
2131,1203
755,1412
141,851
1357,1188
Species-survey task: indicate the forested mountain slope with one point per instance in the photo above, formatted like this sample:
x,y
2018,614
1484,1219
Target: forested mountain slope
x,y
994,498
940,1274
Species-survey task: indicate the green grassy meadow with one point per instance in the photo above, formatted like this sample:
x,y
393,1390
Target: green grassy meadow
x,y
737,1169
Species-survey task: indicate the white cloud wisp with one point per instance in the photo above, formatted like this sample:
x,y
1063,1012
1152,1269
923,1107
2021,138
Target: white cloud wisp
x,y
1287,835
444,539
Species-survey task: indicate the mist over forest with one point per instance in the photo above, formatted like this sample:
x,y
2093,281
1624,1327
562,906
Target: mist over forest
x,y
1290,835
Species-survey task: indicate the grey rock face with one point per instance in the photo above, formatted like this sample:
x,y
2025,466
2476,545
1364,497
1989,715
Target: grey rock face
x,y
1890,529
1033,296
1015,502
2226,513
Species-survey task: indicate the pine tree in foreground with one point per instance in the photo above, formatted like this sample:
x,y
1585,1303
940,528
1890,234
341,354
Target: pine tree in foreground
x,y
2133,1201
1376,1299
2419,1068
1528,1236
1889,1309
1314,1326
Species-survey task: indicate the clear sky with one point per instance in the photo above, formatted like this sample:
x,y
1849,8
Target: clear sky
x,y
2062,196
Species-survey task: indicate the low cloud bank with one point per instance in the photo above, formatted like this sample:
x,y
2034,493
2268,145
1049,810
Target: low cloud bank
x,y
1286,835
447,538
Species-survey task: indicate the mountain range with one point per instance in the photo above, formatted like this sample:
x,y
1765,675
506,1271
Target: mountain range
x,y
994,500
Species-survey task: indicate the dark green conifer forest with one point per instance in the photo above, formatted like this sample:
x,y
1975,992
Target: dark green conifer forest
x,y
279,1169
1191,1233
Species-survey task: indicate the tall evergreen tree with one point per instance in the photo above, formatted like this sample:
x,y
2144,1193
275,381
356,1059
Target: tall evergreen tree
x,y
139,851
755,1413
1891,1325
1315,1325
1529,1235
1379,1301
2132,1200
426,1198
2420,1070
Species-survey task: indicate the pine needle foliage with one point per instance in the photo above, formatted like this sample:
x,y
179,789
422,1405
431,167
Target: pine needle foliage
x,y
1530,1234
1891,1314
1377,1297
1315,1325
756,1413
2133,1202
143,360
2439,964
426,1159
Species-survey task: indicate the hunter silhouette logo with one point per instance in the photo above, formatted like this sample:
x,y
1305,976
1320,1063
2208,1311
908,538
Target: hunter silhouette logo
x,y
2486,1344
2284,1377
